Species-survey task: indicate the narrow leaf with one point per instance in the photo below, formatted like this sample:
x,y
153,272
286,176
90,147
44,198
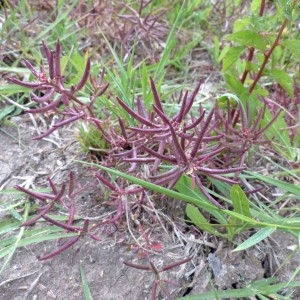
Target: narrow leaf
x,y
86,289
255,238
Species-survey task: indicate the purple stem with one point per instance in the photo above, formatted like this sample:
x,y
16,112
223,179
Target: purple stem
x,y
48,95
60,249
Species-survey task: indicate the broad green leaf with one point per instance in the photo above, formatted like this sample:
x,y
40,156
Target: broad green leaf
x,y
183,186
250,66
241,206
235,85
259,91
283,79
223,53
241,24
240,201
248,38
277,57
216,50
293,46
223,100
255,238
231,57
200,221
287,8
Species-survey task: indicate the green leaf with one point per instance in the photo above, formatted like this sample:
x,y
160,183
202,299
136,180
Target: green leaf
x,y
235,85
31,240
286,5
241,24
283,79
223,100
266,287
10,89
200,201
86,289
9,225
169,45
248,38
232,294
16,241
255,238
183,186
241,206
60,18
282,142
255,6
240,201
200,221
285,186
293,46
231,56
6,111
122,81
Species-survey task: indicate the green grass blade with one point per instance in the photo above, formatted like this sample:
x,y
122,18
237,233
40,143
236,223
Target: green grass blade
x,y
16,243
255,238
238,294
60,18
86,289
282,141
258,288
160,72
10,89
199,202
278,183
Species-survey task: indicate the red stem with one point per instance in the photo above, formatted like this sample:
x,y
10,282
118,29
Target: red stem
x,y
267,56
